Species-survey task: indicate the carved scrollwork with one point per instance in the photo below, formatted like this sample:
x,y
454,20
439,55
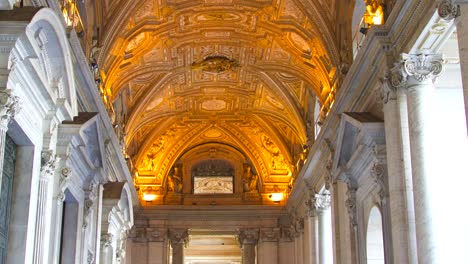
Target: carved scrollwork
x,y
9,107
270,234
351,204
178,236
378,174
49,162
248,236
323,200
448,10
422,66
106,240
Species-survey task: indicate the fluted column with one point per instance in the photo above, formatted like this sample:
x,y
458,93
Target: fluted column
x,y
416,74
248,239
48,165
9,106
178,239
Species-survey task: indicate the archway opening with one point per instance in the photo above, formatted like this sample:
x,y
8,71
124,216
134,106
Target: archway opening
x,y
375,242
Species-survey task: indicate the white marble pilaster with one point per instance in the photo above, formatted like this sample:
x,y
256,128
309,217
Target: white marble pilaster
x,y
268,246
48,165
178,239
248,238
157,245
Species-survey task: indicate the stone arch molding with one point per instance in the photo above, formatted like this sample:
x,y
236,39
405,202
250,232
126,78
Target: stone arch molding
x,y
43,46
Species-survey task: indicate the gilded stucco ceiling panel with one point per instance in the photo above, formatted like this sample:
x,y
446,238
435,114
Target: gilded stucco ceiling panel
x,y
234,73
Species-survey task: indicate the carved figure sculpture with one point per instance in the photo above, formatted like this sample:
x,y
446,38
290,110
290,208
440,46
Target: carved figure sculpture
x,y
374,13
174,181
249,179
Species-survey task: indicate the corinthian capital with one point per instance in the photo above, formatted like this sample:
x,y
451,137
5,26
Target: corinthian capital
x,y
9,107
448,10
178,236
248,236
421,66
323,200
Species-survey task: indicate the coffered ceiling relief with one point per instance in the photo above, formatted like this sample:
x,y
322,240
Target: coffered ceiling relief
x,y
230,74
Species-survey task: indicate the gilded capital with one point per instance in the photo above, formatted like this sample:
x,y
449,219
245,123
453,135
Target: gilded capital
x,y
448,10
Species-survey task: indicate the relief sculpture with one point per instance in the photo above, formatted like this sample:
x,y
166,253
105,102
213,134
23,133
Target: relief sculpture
x,y
215,64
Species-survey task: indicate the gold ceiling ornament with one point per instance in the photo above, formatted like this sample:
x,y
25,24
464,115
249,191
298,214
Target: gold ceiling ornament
x,y
215,64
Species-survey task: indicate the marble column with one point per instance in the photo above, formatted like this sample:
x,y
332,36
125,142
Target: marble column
x,y
311,238
400,184
9,107
416,74
325,251
178,239
48,165
248,239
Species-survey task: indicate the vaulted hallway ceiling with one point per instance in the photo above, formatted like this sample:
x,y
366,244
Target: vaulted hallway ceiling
x,y
234,81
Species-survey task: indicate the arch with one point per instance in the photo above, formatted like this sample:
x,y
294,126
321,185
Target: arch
x,y
374,238
48,39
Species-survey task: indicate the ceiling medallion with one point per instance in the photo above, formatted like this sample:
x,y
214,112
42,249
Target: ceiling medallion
x,y
215,64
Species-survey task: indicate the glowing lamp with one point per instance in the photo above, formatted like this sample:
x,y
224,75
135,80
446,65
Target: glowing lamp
x,y
276,197
149,197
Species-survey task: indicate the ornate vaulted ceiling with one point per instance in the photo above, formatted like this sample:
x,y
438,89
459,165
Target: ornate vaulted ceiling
x,y
241,81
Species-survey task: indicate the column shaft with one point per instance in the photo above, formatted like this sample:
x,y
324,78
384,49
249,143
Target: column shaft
x,y
396,183
420,103
310,239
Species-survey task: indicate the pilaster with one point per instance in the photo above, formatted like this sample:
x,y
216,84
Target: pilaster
x,y
248,238
178,239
